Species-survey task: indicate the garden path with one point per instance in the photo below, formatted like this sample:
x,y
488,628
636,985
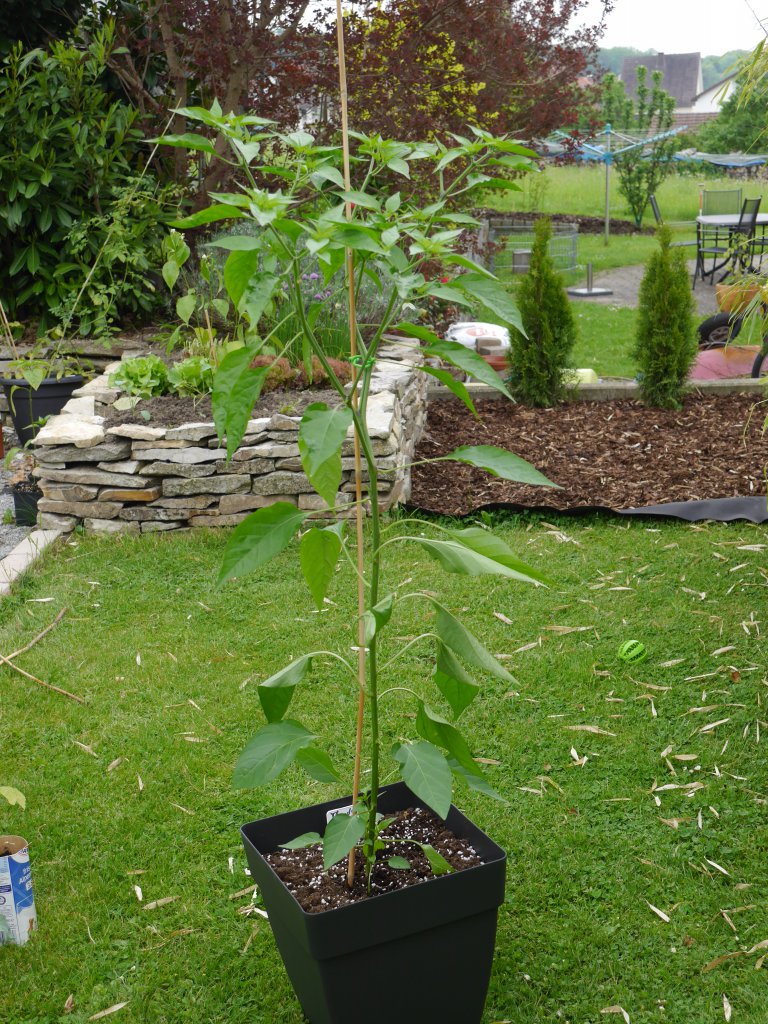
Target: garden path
x,y
624,283
10,534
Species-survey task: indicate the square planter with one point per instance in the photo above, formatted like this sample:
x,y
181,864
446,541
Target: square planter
x,y
423,953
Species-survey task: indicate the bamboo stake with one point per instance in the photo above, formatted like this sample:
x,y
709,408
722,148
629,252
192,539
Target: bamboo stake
x,y
358,460
48,686
23,650
7,659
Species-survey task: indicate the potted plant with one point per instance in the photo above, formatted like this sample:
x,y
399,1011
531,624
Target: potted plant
x,y
742,284
23,485
343,962
38,382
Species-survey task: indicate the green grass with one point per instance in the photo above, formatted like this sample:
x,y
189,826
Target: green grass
x,y
606,336
146,635
581,190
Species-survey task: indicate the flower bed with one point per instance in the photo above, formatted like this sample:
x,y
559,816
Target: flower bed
x,y
140,477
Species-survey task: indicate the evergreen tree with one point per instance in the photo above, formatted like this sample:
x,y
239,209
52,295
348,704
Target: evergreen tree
x,y
665,343
538,360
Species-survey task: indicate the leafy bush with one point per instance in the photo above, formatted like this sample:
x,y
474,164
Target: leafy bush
x,y
68,164
145,377
192,376
665,344
538,360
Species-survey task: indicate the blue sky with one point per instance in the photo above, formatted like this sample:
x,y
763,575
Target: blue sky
x,y
683,26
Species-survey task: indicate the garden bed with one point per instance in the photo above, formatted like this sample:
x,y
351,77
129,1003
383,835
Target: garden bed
x,y
614,455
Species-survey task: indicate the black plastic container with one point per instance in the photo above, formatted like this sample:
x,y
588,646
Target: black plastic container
x,y
25,506
416,955
28,406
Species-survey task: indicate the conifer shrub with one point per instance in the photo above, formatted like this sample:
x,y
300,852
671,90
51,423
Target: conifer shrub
x,y
665,343
537,361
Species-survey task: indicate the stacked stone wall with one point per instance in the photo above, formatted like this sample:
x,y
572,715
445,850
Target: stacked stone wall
x,y
144,478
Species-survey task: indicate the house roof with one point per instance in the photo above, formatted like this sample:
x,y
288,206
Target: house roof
x,y
716,86
682,74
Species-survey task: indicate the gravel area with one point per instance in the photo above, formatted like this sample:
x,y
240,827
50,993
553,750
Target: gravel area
x,y
10,534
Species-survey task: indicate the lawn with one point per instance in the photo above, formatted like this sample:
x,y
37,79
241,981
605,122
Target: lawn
x,y
627,789
581,190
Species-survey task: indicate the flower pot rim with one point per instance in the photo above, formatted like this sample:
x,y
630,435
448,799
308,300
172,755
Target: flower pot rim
x,y
499,855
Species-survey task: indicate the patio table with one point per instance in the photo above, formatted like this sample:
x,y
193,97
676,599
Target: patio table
x,y
713,223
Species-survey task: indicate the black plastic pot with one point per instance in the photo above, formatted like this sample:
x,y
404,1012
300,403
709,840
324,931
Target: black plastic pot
x,y
416,955
28,406
25,506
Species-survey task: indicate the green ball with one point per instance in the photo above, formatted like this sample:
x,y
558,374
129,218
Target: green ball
x,y
632,652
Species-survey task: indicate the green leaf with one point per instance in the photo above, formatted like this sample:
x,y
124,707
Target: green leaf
x,y
500,462
342,833
207,216
357,238
257,295
377,617
456,387
399,863
259,538
490,546
235,243
435,729
275,693
327,172
319,552
399,166
458,639
33,373
170,273
456,557
426,773
361,199
13,796
235,389
318,765
453,682
271,750
308,839
437,861
189,140
493,296
476,781
238,271
468,361
321,434
185,306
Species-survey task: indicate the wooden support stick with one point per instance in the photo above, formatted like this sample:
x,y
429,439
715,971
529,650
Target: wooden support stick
x,y
23,650
358,460
7,659
48,686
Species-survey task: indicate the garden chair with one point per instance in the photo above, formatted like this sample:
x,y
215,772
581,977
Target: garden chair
x,y
722,200
660,220
738,250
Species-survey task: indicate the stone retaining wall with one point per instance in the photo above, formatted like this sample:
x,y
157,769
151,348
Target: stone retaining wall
x,y
137,477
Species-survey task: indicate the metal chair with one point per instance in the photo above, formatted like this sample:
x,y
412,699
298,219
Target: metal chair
x,y
720,201
660,220
737,252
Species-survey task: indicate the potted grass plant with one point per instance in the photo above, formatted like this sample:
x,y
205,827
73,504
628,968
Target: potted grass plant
x,y
401,909
38,383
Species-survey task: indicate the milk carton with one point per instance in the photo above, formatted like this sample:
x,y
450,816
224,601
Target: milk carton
x,y
17,904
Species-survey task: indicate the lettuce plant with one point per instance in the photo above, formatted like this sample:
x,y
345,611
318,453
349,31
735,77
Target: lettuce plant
x,y
144,377
294,193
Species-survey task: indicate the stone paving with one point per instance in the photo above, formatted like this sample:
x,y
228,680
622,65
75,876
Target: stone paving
x,y
624,282
10,534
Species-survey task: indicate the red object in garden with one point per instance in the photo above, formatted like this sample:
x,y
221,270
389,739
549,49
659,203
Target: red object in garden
x,y
723,363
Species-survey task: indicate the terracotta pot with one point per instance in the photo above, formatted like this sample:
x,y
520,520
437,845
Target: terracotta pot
x,y
734,297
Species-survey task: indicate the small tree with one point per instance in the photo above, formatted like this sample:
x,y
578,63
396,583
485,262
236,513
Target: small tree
x,y
538,360
642,169
665,344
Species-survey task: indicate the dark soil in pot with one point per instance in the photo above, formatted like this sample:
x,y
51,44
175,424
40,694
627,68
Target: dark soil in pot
x,y
316,890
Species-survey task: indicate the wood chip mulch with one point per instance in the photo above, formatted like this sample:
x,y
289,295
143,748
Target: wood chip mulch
x,y
615,455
